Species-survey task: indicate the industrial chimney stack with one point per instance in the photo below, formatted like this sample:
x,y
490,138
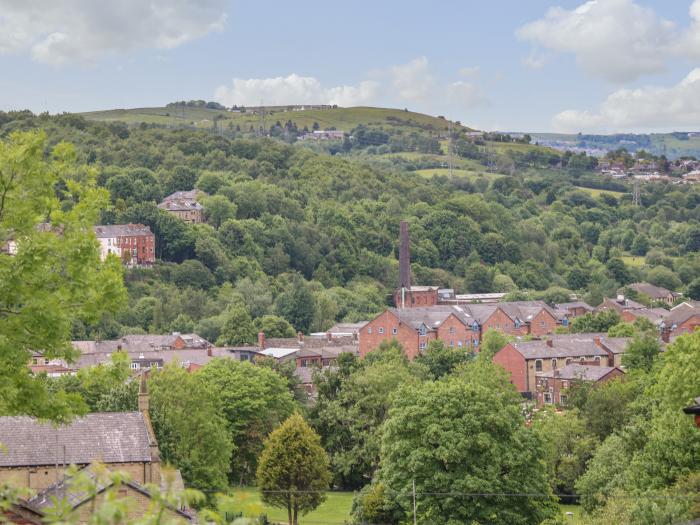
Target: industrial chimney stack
x,y
404,262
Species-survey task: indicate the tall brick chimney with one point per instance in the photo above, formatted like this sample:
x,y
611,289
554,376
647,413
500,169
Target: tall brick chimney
x,y
261,340
404,258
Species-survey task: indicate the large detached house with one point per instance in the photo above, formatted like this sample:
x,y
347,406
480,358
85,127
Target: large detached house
x,y
553,386
185,206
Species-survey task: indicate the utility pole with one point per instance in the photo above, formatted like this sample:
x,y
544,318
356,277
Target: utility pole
x,y
636,197
262,119
414,502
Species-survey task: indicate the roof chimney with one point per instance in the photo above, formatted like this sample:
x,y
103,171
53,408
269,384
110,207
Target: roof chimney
x,y
261,340
404,258
549,343
300,337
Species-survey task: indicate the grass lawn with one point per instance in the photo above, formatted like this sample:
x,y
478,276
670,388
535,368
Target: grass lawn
x,y
335,510
576,519
633,260
597,193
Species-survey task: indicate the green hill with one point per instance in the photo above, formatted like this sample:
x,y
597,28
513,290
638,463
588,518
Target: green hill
x,y
340,118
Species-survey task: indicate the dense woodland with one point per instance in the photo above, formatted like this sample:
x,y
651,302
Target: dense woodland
x,y
302,238
296,240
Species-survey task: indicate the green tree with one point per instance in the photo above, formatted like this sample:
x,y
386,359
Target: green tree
x,y
693,290
600,322
662,276
191,431
274,326
462,437
297,305
568,445
48,205
492,342
293,470
238,328
254,401
440,359
218,209
641,352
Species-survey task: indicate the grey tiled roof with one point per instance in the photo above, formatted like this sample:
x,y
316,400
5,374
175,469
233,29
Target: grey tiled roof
x,y
655,292
579,371
116,437
118,230
681,314
574,304
568,347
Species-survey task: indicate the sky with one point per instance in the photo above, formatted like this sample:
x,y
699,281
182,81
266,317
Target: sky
x,y
596,66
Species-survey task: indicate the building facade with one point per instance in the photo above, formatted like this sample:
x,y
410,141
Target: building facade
x,y
134,244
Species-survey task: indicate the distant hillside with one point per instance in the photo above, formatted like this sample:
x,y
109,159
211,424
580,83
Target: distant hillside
x,y
343,119
673,145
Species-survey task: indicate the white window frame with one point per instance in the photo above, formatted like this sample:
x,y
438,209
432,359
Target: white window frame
x,y
538,365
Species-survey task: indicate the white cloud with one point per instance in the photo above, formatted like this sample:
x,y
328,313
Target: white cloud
x,y
615,39
293,89
689,42
413,80
470,72
401,85
650,108
56,32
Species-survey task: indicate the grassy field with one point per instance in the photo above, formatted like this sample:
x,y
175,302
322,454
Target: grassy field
x,y
335,510
633,260
458,172
340,118
595,192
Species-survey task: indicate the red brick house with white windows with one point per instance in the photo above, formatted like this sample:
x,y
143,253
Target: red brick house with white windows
x,y
553,386
134,244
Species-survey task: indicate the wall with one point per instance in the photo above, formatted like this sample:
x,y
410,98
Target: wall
x,y
543,323
388,322
460,337
501,322
513,363
38,478
137,505
414,298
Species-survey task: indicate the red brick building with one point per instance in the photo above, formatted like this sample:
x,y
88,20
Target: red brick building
x,y
524,360
574,309
460,326
553,386
416,297
682,319
134,244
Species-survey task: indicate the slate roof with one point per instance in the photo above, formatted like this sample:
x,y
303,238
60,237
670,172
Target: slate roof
x,y
579,371
74,497
180,205
655,292
431,316
115,437
140,343
568,347
574,304
681,313
189,194
119,230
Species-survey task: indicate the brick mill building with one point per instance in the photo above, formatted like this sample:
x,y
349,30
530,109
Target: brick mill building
x,y
525,360
426,313
134,244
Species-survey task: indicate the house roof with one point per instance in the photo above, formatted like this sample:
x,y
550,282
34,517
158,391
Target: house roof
x,y
579,371
279,353
141,343
64,490
681,313
180,205
119,230
431,316
189,195
655,292
574,304
569,347
115,437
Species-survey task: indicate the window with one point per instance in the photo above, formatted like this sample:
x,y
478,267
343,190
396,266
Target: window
x,y
554,363
452,329
134,366
422,330
568,360
562,399
369,330
565,384
565,322
476,343
597,359
548,398
475,327
452,343
46,361
35,361
538,365
394,331
459,344
422,345
381,329
543,324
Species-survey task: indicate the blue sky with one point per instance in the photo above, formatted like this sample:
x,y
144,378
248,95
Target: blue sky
x,y
535,65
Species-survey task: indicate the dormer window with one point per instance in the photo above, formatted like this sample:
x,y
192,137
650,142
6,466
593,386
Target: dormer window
x,y
422,330
475,326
